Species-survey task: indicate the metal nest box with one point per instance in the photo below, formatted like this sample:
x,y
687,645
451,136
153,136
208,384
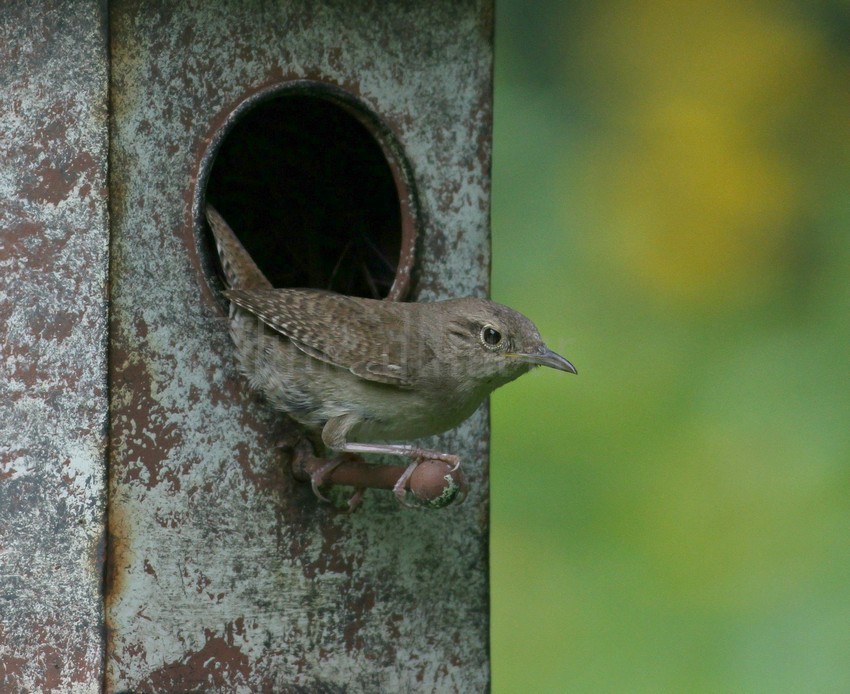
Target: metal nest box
x,y
151,538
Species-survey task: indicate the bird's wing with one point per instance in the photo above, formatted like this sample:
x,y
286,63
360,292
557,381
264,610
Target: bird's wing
x,y
367,337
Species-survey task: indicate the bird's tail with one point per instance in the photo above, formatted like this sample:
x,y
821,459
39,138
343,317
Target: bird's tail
x,y
240,270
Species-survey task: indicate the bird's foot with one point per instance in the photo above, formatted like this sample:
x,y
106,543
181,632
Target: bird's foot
x,y
400,487
433,478
318,471
322,476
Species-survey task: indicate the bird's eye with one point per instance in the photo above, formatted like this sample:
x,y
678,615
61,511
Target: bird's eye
x,y
490,336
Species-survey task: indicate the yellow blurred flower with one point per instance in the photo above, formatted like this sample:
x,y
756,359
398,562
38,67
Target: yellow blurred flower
x,y
693,175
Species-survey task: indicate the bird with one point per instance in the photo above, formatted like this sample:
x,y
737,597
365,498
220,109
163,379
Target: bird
x,y
364,376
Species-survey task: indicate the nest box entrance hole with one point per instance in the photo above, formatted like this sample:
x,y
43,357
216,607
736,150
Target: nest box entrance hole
x,y
318,193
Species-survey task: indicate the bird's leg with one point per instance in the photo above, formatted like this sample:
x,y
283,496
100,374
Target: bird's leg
x,y
334,435
400,487
431,482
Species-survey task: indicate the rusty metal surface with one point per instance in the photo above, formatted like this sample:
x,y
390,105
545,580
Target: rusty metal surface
x,y
53,402
224,573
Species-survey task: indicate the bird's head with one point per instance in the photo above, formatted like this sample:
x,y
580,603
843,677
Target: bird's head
x,y
494,344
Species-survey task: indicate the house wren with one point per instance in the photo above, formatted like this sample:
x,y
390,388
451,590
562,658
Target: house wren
x,y
363,371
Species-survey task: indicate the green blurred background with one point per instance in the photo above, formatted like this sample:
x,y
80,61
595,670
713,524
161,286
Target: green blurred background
x,y
670,205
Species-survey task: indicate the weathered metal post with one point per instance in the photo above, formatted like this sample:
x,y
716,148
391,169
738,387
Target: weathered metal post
x,y
349,145
54,239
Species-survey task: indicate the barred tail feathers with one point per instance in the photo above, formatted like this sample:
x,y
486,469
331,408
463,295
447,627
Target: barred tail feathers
x,y
240,270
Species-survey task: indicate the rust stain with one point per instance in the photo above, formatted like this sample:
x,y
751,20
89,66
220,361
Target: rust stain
x,y
53,181
117,558
219,663
11,666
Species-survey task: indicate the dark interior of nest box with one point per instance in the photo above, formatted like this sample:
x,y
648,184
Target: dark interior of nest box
x,y
309,192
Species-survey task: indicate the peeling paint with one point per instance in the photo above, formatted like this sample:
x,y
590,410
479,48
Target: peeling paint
x,y
53,403
224,573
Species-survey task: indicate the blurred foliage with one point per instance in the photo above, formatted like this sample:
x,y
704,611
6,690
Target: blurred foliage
x,y
670,206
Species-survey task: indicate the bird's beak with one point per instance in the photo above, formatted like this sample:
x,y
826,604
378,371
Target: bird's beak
x,y
546,357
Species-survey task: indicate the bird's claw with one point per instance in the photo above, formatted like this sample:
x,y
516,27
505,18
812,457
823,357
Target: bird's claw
x,y
400,487
320,477
453,459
